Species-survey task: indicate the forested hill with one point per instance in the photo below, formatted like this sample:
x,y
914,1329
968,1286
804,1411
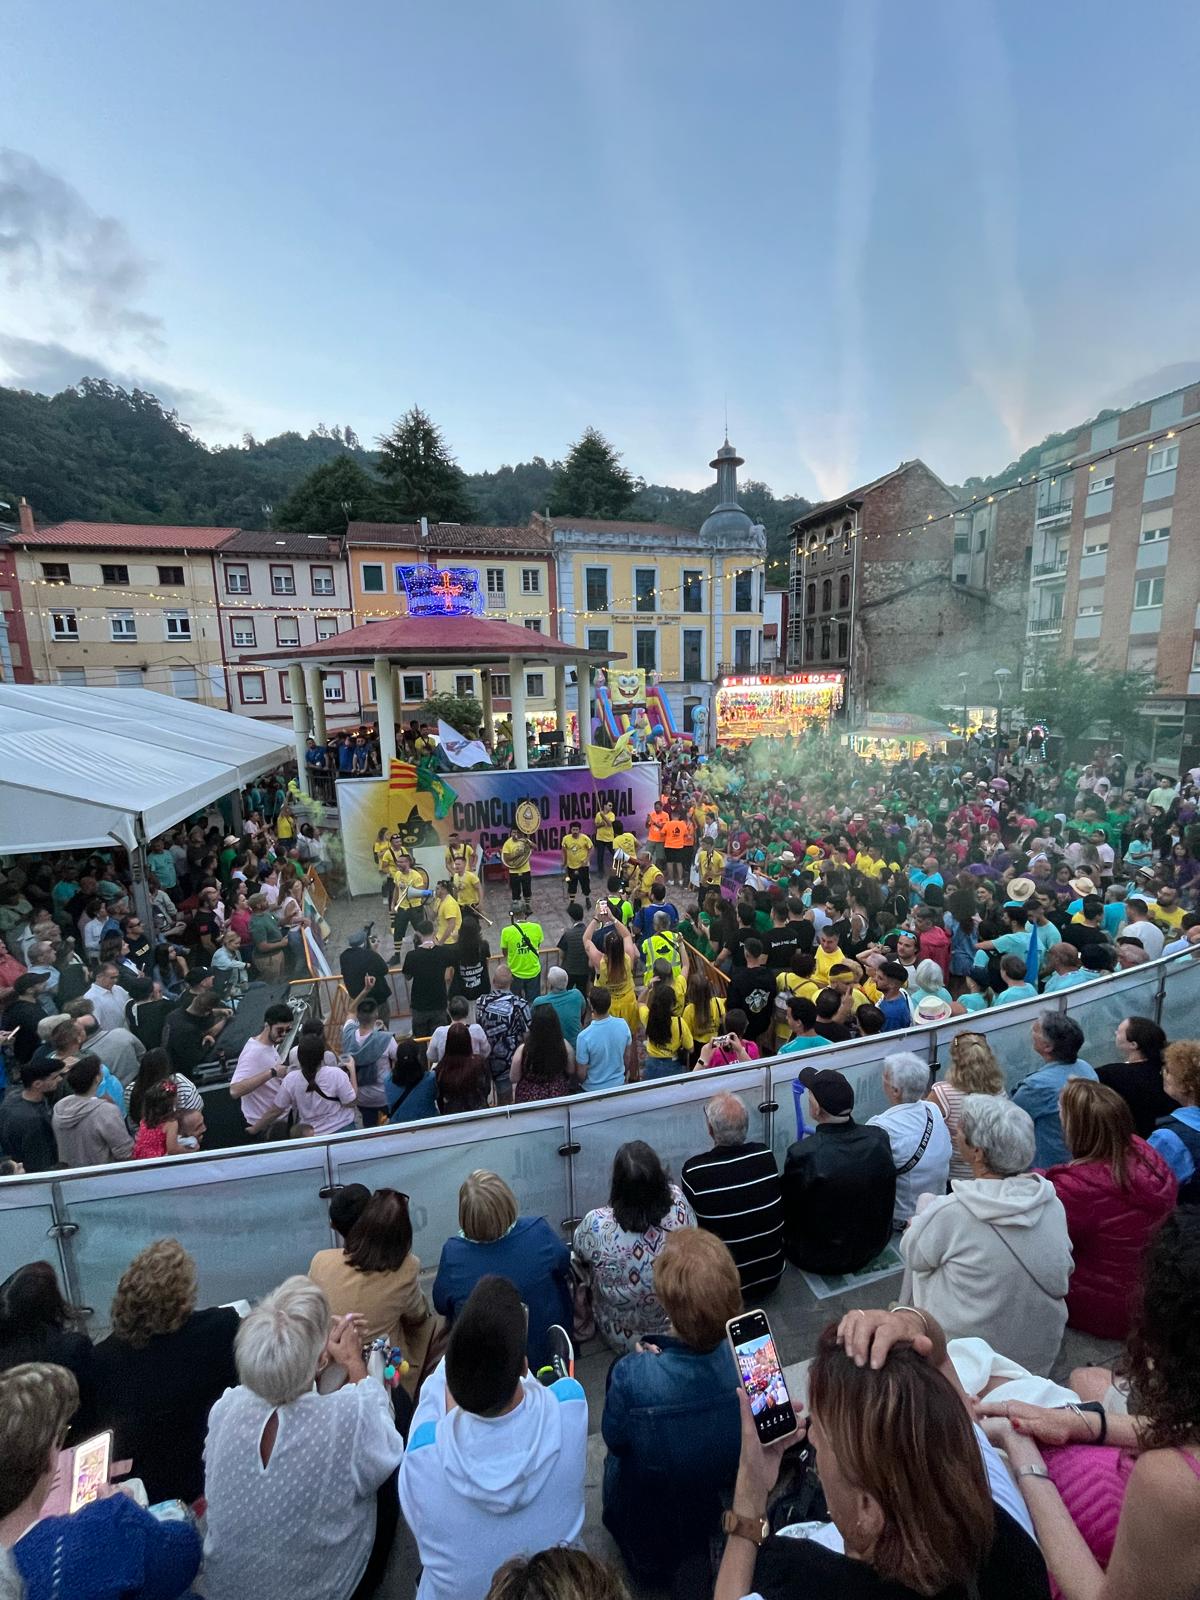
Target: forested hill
x,y
102,454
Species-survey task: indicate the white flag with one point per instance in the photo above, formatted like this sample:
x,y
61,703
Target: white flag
x,y
461,751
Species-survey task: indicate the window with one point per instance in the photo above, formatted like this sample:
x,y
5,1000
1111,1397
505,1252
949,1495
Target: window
x,y
283,580
172,576
827,595
845,538
1155,535
843,638
184,683
742,647
810,599
535,685
252,687
809,646
501,687
1162,459
114,574
597,639
743,591
122,626
1147,592
595,582
645,648
287,631
1099,481
285,688
830,535
825,641
693,654
1091,611
72,677
56,572
322,580
533,624
645,581
1142,658
844,589
333,686
531,580
64,625
494,579
372,577
412,686
241,631
129,677
179,626
237,579
326,627
464,685
1196,656
693,590
1100,548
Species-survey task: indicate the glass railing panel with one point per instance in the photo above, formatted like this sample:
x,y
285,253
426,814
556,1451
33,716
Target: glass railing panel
x,y
1181,999
1006,1029
1099,1007
26,1218
249,1221
429,1160
668,1114
859,1060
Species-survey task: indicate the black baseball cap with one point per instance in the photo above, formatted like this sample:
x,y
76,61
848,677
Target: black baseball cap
x,y
828,1088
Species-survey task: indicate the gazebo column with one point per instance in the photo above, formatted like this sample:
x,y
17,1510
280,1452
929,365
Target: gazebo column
x,y
315,680
560,704
485,699
385,705
299,722
583,692
516,681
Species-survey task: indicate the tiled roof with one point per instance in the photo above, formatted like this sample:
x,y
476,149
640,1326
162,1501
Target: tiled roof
x,y
815,513
124,536
434,640
255,542
603,525
445,536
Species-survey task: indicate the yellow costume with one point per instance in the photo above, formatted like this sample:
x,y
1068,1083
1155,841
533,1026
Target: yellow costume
x,y
576,848
624,995
466,888
703,1029
711,864
447,920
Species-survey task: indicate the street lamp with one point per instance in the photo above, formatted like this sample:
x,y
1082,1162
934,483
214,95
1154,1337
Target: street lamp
x,y
1001,675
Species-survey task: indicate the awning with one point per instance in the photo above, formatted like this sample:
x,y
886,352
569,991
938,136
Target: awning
x,y
90,767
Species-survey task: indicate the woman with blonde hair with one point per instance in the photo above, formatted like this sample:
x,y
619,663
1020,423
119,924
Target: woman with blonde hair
x,y
664,1485
1117,1191
557,1574
494,1238
161,1368
973,1069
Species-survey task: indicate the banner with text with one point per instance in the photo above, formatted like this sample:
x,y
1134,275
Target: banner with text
x,y
484,812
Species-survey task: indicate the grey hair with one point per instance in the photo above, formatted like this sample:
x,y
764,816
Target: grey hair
x,y
556,978
1001,1131
928,975
1063,1034
908,1075
727,1118
661,921
47,1025
280,1342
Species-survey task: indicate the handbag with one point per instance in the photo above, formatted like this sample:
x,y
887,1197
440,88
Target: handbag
x,y
582,1305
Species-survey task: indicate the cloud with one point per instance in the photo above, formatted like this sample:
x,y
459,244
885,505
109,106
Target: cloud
x,y
47,367
50,235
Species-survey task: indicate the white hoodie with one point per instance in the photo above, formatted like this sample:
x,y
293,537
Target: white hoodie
x,y
478,1490
992,1260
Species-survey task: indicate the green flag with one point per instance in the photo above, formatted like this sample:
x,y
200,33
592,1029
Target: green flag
x,y
429,780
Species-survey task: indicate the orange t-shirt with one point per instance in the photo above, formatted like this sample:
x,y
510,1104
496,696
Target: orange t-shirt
x,y
675,834
655,823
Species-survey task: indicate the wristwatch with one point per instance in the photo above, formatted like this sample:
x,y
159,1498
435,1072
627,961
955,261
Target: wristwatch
x,y
756,1529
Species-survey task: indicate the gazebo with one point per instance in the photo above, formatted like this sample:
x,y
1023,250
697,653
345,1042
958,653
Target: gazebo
x,y
398,644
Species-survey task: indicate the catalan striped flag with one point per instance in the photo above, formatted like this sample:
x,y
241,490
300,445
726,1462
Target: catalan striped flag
x,y
401,775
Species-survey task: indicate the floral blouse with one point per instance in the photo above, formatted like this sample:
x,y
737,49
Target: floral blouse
x,y
622,1264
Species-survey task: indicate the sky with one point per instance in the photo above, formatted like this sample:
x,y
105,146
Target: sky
x,y
864,230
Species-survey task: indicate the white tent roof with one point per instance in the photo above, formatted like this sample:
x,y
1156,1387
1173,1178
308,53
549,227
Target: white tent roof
x,y
87,767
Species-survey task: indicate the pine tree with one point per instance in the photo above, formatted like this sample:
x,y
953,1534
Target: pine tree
x,y
591,482
424,478
333,494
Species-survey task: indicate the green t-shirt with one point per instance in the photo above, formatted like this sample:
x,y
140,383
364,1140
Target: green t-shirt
x,y
523,962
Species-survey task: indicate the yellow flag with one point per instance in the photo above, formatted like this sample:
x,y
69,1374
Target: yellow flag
x,y
606,763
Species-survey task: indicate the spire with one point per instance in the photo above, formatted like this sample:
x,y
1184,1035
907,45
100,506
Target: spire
x,y
725,463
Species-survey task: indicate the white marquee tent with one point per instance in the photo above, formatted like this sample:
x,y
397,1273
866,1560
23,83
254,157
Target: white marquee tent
x,y
88,768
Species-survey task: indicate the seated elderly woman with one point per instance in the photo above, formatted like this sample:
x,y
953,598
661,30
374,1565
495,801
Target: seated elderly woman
x,y
919,1502
671,1414
494,1238
292,1476
992,1259
110,1547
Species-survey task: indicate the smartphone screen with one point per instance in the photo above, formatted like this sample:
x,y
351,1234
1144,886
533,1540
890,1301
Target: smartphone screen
x,y
89,1469
761,1375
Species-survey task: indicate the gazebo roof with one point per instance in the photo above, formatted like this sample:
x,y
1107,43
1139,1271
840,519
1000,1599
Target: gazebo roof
x,y
456,641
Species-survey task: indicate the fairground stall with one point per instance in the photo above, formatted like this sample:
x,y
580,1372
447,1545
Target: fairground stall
x,y
761,706
898,736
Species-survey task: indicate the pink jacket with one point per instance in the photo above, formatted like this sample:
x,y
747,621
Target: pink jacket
x,y
1110,1228
935,946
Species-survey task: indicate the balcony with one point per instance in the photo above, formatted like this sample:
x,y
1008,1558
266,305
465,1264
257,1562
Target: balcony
x,y
1057,511
1051,569
1044,625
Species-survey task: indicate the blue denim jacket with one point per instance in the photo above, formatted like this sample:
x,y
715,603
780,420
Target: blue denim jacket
x,y
673,1433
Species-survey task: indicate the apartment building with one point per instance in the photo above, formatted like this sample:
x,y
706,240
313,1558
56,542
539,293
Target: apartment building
x,y
14,642
124,605
275,590
687,605
513,570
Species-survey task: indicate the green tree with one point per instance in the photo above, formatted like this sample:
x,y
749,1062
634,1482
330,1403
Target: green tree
x,y
424,478
1074,699
462,712
330,496
591,482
